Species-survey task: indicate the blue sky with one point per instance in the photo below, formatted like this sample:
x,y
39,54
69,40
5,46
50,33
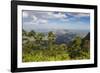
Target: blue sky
x,y
33,20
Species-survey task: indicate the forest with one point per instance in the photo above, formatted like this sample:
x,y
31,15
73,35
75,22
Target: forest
x,y
39,47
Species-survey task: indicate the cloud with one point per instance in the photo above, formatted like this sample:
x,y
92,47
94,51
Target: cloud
x,y
78,14
25,14
83,14
37,17
44,21
53,20
34,18
57,15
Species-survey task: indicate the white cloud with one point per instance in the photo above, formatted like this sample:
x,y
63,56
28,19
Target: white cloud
x,y
50,20
53,15
43,21
60,15
25,14
34,18
36,21
79,14
83,14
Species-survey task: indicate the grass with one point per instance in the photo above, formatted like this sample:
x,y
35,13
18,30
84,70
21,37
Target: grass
x,y
45,55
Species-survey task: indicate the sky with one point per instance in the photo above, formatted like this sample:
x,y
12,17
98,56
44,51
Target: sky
x,y
34,20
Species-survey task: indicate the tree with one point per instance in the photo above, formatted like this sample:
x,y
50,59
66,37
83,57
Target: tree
x,y
63,46
23,32
86,49
27,47
39,37
24,38
86,44
51,39
31,33
75,49
77,41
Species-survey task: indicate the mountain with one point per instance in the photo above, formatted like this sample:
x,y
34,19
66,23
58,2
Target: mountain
x,y
69,36
87,37
64,35
86,41
66,38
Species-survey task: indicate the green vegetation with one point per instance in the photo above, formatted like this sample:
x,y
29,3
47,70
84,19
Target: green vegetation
x,y
38,47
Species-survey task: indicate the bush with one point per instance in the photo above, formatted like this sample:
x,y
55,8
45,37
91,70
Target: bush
x,y
48,50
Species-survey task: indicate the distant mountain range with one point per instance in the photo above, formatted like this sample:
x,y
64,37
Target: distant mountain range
x,y
65,36
69,36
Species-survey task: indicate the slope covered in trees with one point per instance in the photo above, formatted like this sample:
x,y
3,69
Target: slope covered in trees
x,y
38,47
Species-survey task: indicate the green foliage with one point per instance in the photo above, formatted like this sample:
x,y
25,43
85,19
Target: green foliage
x,y
74,52
63,46
42,49
76,41
27,47
51,39
39,38
31,33
23,32
45,55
